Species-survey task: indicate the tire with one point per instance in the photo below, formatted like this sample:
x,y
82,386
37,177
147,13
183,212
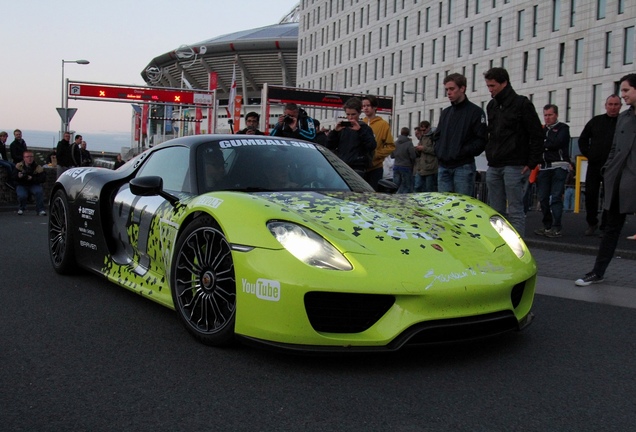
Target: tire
x,y
203,283
61,244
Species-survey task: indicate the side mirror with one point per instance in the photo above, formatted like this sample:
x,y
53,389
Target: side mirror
x,y
151,186
387,186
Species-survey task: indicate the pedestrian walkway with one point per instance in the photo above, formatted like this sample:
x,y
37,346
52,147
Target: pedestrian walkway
x,y
574,240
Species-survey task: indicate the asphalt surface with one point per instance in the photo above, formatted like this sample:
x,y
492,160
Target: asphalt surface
x,y
79,353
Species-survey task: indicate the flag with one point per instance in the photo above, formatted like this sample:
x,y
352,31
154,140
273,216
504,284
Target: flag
x,y
232,92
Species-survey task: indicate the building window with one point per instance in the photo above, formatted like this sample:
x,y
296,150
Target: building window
x,y
504,62
551,96
608,49
572,12
486,35
477,6
540,54
596,98
439,15
600,9
628,46
449,17
419,21
470,40
443,49
434,45
525,66
578,56
520,19
535,20
568,103
561,58
459,42
427,19
413,57
556,15
499,30
473,79
621,7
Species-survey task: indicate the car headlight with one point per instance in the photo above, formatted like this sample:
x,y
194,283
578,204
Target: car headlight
x,y
508,234
308,246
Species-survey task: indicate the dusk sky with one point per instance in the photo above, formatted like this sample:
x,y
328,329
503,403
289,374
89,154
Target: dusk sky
x,y
118,37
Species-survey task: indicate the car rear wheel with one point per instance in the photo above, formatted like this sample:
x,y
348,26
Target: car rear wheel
x,y
61,248
203,283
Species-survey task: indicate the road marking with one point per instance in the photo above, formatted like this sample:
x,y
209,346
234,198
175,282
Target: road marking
x,y
596,293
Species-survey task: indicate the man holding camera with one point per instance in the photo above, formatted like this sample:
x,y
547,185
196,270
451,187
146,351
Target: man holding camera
x,y
251,121
295,123
29,177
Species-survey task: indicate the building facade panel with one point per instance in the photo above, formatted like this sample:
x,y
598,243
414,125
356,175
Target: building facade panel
x,y
561,51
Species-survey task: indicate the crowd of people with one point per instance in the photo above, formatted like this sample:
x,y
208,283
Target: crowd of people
x,y
25,175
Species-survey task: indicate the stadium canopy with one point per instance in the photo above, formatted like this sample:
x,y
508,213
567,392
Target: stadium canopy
x,y
259,56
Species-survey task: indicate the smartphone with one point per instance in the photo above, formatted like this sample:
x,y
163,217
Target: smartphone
x,y
345,123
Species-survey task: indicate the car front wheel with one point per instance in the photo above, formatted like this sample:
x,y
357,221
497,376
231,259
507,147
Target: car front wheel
x,y
203,283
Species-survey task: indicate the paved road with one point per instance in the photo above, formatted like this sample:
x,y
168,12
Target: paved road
x,y
79,353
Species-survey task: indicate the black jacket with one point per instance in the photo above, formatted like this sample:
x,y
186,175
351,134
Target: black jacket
x,y
68,154
31,174
460,134
556,146
355,148
595,141
17,148
515,135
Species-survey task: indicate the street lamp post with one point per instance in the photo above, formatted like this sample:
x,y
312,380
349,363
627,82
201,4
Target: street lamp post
x,y
64,124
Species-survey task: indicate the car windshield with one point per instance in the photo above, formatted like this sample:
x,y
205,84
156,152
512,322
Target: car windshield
x,y
272,164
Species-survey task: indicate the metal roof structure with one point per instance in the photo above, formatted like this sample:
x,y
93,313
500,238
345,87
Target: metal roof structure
x,y
262,55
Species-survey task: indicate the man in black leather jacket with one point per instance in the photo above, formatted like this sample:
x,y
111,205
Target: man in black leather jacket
x,y
514,148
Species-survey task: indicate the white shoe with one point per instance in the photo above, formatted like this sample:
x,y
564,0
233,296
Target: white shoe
x,y
42,213
20,212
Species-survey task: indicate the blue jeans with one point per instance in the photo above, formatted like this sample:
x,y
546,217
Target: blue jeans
x,y
23,194
403,177
506,190
550,188
460,180
426,183
9,167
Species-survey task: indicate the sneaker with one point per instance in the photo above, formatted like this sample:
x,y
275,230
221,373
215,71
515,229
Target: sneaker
x,y
591,230
541,231
589,279
42,213
20,212
553,233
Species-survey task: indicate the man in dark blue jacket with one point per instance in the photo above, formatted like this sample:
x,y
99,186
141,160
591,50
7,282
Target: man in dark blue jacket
x,y
460,136
554,171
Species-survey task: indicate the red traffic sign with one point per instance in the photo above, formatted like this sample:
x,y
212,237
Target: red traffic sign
x,y
138,94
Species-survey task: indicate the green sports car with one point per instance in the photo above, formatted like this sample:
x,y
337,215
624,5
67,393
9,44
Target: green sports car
x,y
276,241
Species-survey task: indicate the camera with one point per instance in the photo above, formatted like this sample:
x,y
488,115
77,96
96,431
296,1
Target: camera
x,y
345,123
288,119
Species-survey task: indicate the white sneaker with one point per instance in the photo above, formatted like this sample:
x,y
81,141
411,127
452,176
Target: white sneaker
x,y
20,212
42,213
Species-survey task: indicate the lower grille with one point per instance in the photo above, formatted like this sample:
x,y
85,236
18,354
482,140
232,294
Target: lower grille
x,y
345,313
458,329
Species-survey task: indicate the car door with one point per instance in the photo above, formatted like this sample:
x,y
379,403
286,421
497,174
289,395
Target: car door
x,y
141,223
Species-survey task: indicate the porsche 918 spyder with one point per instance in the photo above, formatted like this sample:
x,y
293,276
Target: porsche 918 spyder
x,y
277,241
